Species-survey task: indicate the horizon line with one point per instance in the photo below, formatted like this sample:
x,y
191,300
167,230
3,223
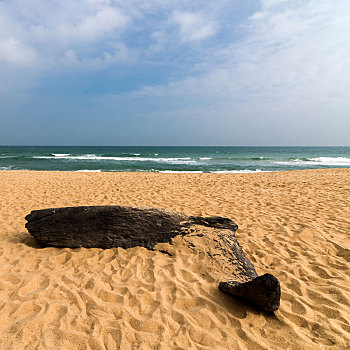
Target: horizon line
x,y
61,145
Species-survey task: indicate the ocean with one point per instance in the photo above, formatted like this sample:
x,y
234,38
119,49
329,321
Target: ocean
x,y
172,159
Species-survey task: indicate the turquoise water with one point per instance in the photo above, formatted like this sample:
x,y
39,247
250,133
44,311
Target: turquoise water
x,y
173,159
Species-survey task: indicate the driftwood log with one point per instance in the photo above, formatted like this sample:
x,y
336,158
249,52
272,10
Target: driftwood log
x,y
264,291
126,227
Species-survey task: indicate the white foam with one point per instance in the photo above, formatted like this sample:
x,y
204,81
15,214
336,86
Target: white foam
x,y
331,160
326,161
205,158
61,154
88,171
185,160
180,171
245,171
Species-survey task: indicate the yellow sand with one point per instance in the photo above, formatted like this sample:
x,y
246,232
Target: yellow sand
x,y
295,225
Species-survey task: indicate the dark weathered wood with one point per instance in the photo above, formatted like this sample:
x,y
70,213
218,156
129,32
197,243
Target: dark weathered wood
x,y
126,227
264,291
113,226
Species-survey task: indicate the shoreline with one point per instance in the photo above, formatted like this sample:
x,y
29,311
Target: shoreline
x,y
233,172
293,224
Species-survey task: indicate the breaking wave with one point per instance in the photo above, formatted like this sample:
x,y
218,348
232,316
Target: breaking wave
x,y
179,160
325,161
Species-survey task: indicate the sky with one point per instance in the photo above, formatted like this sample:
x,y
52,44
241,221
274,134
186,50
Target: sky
x,y
160,72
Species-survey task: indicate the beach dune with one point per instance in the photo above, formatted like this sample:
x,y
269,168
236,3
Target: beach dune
x,y
294,225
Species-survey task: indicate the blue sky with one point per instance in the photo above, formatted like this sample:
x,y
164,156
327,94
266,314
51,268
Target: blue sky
x,y
109,72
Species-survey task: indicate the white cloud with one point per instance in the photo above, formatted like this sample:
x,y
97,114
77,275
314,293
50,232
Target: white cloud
x,y
292,68
267,4
48,31
92,27
13,51
193,27
303,47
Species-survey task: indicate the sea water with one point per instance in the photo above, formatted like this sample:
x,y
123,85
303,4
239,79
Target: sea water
x,y
172,159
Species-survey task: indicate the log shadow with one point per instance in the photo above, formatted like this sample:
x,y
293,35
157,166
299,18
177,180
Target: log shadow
x,y
240,307
24,238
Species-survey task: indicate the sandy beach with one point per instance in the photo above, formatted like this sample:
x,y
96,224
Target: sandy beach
x,y
295,225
